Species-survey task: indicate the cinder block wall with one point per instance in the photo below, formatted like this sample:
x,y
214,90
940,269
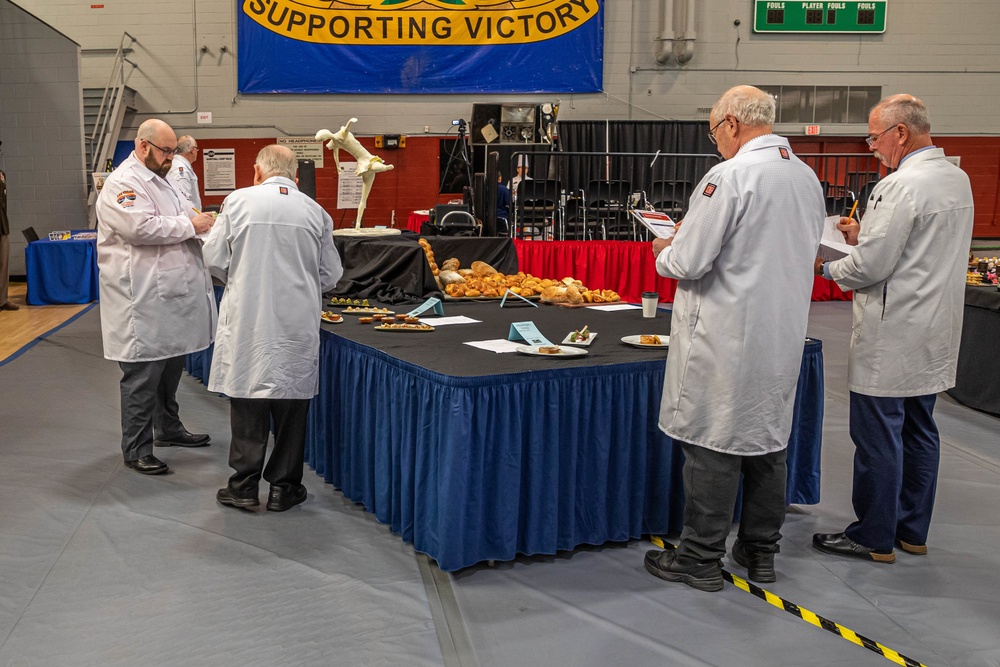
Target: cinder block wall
x,y
945,52
41,126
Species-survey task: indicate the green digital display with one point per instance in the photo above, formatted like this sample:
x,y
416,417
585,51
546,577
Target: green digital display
x,y
819,17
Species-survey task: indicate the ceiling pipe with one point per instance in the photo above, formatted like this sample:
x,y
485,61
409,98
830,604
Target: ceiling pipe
x,y
686,53
664,52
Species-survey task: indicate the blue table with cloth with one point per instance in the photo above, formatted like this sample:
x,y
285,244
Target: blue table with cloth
x,y
476,456
62,271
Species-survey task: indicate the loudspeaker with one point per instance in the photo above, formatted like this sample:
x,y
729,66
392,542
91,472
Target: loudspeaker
x,y
484,115
307,178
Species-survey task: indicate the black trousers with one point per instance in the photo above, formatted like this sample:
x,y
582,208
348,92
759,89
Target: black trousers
x,y
149,403
711,484
250,419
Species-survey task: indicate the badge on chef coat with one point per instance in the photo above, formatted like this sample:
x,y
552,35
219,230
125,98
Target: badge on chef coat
x,y
710,189
126,199
784,153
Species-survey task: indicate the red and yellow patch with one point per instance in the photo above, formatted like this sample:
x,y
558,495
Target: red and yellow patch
x,y
126,198
709,189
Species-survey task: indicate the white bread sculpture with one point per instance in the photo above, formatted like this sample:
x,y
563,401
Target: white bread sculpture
x,y
368,164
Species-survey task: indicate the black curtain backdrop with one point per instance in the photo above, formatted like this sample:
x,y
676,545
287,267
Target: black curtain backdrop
x,y
667,137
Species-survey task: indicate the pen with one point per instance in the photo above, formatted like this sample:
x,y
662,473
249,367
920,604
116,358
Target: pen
x,y
854,209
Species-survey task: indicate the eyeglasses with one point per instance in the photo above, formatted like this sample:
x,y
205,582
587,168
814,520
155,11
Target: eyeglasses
x,y
711,133
168,152
870,139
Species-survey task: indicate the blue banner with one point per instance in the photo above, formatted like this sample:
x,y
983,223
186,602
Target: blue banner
x,y
420,46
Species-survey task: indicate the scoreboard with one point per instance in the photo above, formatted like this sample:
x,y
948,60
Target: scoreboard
x,y
822,17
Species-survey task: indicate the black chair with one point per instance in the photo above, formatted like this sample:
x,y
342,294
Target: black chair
x,y
670,197
537,207
30,234
607,208
865,193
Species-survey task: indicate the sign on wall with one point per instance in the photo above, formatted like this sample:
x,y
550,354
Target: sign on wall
x,y
220,170
305,148
825,16
420,46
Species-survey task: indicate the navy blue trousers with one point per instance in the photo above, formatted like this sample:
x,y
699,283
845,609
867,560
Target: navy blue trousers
x,y
897,451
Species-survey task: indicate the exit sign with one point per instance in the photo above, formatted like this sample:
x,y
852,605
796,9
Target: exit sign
x,y
827,16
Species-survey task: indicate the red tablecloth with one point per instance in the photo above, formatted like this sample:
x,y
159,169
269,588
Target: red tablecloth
x,y
415,220
628,267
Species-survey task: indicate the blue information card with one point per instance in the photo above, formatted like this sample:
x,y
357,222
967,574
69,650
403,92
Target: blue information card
x,y
432,302
528,332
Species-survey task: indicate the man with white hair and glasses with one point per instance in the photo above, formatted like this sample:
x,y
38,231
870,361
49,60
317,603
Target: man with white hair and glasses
x,y
743,260
907,271
182,170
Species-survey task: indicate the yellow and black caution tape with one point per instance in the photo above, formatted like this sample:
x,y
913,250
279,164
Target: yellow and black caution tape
x,y
810,617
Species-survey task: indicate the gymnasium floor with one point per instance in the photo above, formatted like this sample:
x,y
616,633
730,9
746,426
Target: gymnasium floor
x,y
102,566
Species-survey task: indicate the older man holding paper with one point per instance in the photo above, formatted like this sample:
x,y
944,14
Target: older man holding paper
x,y
743,259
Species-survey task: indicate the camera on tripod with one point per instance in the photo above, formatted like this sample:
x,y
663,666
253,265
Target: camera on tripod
x,y
462,126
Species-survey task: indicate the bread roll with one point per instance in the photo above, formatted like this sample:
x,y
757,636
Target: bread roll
x,y
450,265
449,277
482,269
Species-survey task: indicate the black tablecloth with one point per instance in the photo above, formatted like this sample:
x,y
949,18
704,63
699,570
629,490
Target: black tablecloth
x,y
394,269
977,381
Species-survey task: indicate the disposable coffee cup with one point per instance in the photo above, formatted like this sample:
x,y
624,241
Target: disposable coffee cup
x,y
649,302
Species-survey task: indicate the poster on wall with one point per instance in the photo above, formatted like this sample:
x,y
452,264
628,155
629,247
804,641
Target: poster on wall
x,y
420,46
220,170
305,148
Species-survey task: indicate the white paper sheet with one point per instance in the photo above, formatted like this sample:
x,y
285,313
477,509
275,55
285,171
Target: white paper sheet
x,y
445,321
498,345
831,244
615,306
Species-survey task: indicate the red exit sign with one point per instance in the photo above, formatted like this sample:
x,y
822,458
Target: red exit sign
x,y
812,130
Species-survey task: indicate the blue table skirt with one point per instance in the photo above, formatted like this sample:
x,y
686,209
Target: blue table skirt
x,y
61,271
471,469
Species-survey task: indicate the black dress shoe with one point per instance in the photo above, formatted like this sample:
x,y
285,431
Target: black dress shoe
x,y
148,465
283,498
227,496
842,545
184,439
759,564
666,565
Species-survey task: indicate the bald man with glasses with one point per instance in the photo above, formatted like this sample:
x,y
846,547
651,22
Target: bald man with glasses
x,y
907,270
157,301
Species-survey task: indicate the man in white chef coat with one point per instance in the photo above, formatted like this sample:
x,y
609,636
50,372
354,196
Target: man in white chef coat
x,y
743,258
907,270
182,172
273,247
157,303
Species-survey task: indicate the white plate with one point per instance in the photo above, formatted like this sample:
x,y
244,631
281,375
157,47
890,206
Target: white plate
x,y
323,319
584,343
634,341
564,351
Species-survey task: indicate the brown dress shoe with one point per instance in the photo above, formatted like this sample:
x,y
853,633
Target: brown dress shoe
x,y
10,306
915,549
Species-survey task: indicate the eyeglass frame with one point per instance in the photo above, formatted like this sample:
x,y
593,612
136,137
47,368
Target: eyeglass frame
x,y
711,132
169,153
870,140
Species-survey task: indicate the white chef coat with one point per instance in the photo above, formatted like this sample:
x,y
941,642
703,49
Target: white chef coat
x,y
908,276
182,175
273,247
744,261
156,295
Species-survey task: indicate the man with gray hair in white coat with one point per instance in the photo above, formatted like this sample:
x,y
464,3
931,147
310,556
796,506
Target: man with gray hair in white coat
x,y
273,247
743,258
907,271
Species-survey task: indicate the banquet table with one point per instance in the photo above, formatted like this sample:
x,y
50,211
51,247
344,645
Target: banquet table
x,y
416,219
62,271
628,267
474,456
977,379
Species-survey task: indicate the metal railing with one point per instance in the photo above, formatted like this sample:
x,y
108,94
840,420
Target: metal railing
x,y
590,195
101,136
